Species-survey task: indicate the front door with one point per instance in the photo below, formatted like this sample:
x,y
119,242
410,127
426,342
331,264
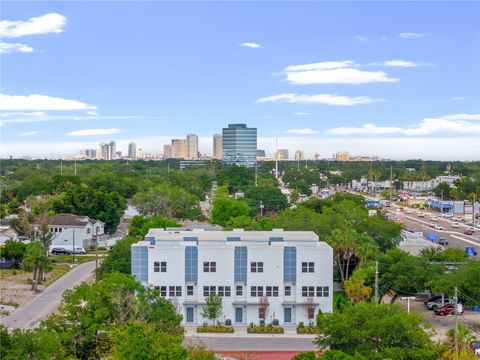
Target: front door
x,y
238,315
189,314
287,314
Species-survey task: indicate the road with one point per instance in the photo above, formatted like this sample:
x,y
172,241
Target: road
x,y
455,236
31,314
272,342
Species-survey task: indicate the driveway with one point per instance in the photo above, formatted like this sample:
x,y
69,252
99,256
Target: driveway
x,y
31,314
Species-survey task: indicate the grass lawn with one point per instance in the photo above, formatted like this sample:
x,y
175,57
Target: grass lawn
x,y
67,259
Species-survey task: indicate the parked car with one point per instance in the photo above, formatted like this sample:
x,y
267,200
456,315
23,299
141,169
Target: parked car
x,y
432,225
448,310
443,241
468,232
80,250
433,298
432,305
455,219
438,227
455,225
61,251
475,346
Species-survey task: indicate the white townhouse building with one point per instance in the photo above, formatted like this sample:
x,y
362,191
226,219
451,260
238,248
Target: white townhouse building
x,y
261,275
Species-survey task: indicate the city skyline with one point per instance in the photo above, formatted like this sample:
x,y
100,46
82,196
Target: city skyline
x,y
333,83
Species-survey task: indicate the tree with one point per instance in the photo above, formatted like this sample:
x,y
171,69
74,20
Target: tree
x,y
139,225
459,339
13,249
141,341
376,331
44,234
271,198
23,225
213,307
119,258
386,233
442,190
237,177
36,260
225,208
294,196
355,287
453,194
13,206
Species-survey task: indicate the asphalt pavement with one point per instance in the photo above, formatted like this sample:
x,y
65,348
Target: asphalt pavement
x,y
31,314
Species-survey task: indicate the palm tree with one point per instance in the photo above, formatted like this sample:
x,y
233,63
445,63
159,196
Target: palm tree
x,y
36,260
459,339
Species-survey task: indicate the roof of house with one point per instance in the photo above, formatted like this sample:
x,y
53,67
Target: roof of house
x,y
70,220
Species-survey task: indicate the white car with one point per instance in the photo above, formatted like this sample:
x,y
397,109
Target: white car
x,y
446,215
455,219
432,305
455,225
434,218
421,215
438,227
408,211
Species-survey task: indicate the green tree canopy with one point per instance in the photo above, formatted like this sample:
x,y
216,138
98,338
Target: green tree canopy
x,y
225,208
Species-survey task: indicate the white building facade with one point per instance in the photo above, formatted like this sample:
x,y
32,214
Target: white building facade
x,y
279,275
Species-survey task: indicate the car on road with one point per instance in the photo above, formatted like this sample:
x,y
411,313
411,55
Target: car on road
x,y
469,223
408,211
449,310
432,225
443,241
61,251
455,219
434,219
455,225
421,215
432,305
468,231
438,227
446,215
475,346
80,250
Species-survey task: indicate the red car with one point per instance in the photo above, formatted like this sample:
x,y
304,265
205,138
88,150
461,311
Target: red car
x,y
468,232
448,310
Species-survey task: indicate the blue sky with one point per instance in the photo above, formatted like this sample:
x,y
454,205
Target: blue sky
x,y
398,80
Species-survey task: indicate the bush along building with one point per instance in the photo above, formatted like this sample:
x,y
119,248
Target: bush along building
x,y
262,276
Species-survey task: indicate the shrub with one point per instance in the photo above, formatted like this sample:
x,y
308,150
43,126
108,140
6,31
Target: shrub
x,y
264,329
307,329
214,329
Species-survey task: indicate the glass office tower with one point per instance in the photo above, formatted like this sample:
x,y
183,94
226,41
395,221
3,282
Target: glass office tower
x,y
239,145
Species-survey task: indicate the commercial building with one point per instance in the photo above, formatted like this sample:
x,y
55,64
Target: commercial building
x,y
217,146
342,156
261,275
132,151
299,155
192,147
107,151
167,152
281,154
239,145
317,157
179,149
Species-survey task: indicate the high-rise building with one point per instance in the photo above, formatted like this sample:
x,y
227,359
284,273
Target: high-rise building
x,y
299,155
179,148
217,146
167,152
132,151
139,153
342,156
113,150
192,147
239,145
260,153
317,157
281,154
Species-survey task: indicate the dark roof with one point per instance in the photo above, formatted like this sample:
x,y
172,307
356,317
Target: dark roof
x,y
70,220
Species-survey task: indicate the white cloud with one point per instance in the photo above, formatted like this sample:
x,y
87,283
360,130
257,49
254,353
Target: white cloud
x,y
302,113
7,48
306,131
361,38
458,123
48,23
251,45
22,114
333,72
92,132
411,35
326,99
40,102
365,129
400,63
28,133
91,113
458,98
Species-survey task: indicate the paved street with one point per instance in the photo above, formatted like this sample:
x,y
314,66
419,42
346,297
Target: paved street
x,y
31,314
253,342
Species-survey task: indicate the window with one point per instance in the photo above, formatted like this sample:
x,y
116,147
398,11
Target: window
x,y
271,290
178,291
221,291
256,267
208,289
227,291
88,230
189,290
210,266
261,313
163,266
156,266
239,290
60,229
311,312
308,267
171,291
322,291
163,291
256,291
288,290
308,291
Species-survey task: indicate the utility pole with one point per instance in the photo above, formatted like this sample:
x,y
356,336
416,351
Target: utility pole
x,y
455,311
473,209
96,253
391,182
61,167
256,174
376,282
